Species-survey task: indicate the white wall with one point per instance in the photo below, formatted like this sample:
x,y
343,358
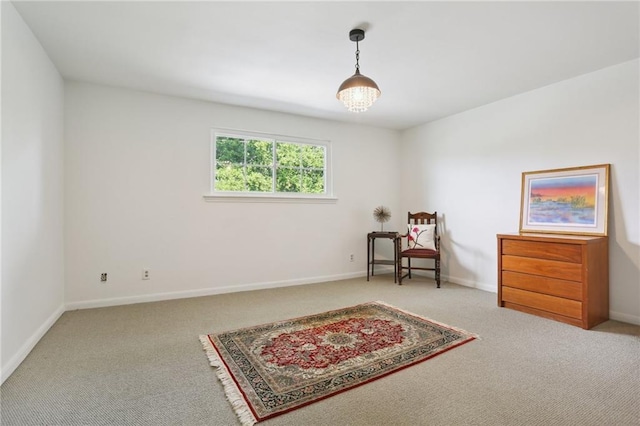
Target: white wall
x,y
136,168
468,167
32,288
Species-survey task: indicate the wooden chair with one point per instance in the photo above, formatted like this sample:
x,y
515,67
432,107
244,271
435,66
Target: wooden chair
x,y
415,247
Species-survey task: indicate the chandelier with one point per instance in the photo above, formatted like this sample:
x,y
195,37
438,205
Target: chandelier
x,y
358,92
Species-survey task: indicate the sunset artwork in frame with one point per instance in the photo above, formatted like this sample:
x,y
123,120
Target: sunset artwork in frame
x,y
565,201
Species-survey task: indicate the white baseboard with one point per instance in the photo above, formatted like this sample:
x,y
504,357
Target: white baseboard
x,y
460,281
16,360
631,319
472,284
156,297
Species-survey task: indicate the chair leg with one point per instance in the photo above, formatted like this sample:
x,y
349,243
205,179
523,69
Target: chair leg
x,y
409,265
438,273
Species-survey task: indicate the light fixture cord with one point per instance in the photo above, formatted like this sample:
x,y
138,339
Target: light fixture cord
x,y
357,57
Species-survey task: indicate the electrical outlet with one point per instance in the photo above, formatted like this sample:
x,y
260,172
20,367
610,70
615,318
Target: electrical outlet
x,y
146,274
351,257
103,277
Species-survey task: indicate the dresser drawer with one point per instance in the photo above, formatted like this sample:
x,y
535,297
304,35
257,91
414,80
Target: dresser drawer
x,y
566,307
543,267
539,284
543,250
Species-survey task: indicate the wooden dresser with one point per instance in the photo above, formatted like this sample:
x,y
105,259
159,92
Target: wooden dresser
x,y
565,278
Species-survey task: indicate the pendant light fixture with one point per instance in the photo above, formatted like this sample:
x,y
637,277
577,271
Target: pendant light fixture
x,y
358,92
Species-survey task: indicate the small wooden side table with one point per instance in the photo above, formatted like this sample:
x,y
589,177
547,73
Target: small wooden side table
x,y
371,252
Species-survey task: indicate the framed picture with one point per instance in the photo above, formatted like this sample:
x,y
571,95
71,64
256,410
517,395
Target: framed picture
x,y
565,201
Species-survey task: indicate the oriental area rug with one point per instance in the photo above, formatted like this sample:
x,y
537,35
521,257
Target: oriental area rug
x,y
271,369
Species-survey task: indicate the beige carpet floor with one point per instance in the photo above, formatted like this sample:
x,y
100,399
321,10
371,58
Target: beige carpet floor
x,y
143,364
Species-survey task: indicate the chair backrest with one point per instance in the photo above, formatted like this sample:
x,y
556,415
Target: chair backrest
x,y
423,218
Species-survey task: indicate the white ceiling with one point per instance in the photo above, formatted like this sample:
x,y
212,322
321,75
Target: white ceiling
x,y
430,59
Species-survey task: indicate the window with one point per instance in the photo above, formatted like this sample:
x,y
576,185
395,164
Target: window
x,y
256,165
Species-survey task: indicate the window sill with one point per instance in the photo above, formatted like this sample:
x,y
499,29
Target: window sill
x,y
268,198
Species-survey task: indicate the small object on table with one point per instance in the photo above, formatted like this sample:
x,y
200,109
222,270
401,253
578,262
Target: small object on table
x,y
382,215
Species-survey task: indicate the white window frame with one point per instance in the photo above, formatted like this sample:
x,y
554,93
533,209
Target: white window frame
x,y
253,196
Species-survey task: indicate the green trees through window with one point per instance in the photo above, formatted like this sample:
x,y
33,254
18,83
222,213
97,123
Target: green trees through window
x,y
248,164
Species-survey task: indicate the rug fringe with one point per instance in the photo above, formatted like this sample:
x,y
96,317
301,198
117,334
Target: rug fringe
x,y
233,394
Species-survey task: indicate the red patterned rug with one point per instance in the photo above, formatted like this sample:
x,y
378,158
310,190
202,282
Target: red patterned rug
x,y
270,369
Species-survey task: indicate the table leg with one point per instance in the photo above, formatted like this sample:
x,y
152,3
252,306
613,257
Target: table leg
x,y
399,263
373,255
395,259
368,255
